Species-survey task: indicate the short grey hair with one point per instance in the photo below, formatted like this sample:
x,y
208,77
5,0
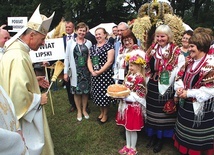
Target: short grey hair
x,y
166,30
29,30
124,23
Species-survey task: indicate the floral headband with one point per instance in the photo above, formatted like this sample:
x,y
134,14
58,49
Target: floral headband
x,y
137,59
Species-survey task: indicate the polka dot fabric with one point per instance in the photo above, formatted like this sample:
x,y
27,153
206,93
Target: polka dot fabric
x,y
100,83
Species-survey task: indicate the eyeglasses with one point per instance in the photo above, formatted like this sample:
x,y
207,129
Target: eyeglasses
x,y
185,38
121,30
129,40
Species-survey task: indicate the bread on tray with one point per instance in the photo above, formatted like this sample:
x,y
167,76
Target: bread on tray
x,y
117,91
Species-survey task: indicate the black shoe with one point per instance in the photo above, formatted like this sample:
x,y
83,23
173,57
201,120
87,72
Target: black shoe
x,y
158,147
101,122
98,119
153,140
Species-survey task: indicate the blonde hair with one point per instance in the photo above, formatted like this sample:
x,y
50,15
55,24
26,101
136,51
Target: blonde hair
x,y
82,25
166,30
142,72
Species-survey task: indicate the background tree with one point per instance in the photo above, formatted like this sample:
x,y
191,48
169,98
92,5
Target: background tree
x,y
22,8
96,12
180,6
194,12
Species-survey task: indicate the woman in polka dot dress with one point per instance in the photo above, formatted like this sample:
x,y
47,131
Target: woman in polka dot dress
x,y
100,66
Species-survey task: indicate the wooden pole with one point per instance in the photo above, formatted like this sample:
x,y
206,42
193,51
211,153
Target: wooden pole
x,y
46,75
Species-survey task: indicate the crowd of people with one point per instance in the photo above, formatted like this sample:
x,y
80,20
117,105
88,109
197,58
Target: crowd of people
x,y
171,87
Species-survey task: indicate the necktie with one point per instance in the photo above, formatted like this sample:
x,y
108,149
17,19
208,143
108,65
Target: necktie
x,y
68,37
117,38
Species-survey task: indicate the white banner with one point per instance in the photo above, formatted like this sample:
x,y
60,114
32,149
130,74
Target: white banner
x,y
53,49
17,23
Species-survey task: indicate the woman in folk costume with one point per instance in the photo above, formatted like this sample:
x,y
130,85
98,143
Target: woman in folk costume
x,y
18,79
131,110
129,43
194,129
164,59
185,43
11,137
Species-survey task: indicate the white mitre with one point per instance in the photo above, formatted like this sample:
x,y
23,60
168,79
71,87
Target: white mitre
x,y
37,22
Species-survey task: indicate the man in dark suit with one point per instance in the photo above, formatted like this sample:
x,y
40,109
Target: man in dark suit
x,y
90,37
121,27
69,27
115,33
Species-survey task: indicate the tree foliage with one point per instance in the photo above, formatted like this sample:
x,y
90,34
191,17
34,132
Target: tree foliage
x,y
93,12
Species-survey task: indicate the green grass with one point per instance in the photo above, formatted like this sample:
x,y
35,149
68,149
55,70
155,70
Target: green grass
x,y
88,137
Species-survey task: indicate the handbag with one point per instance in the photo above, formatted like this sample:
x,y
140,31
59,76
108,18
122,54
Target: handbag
x,y
170,107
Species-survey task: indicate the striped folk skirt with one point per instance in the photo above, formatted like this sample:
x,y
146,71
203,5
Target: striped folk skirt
x,y
194,137
158,122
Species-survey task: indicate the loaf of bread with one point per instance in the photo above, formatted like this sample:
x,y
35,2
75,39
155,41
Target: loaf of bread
x,y
118,91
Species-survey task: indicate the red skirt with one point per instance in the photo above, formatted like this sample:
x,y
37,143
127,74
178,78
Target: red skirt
x,y
131,118
184,150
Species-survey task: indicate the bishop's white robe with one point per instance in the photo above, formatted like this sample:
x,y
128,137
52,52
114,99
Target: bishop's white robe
x,y
11,141
18,79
